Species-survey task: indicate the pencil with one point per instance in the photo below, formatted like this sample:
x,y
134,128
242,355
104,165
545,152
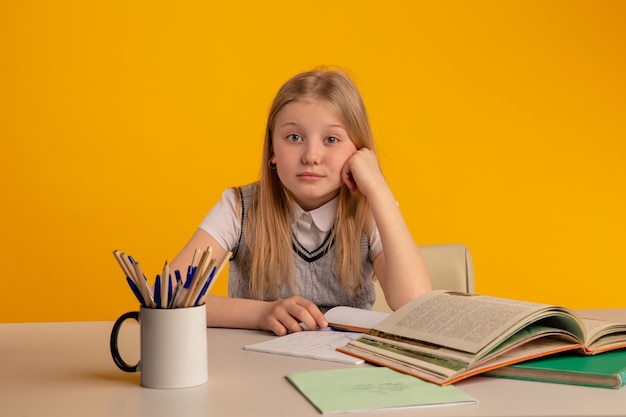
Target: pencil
x,y
205,260
120,261
183,288
200,276
214,276
196,257
143,286
176,288
165,285
205,287
198,283
129,267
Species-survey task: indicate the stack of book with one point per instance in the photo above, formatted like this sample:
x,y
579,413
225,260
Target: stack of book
x,y
444,337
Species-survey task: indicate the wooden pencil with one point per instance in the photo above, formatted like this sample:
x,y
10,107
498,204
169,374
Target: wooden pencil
x,y
165,283
120,261
200,277
143,286
219,269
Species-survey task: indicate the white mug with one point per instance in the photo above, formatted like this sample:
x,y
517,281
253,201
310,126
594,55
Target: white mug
x,y
173,346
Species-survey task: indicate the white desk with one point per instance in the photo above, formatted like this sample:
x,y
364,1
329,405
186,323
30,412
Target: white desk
x,y
65,369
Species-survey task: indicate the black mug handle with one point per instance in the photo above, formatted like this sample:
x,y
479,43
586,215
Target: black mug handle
x,y
115,353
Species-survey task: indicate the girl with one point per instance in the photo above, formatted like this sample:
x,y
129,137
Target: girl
x,y
310,234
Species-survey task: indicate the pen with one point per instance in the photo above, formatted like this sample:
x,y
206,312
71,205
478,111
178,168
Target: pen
x,y
120,261
191,271
202,283
205,287
130,270
175,297
165,288
128,265
143,286
201,274
181,292
157,292
169,291
136,291
214,274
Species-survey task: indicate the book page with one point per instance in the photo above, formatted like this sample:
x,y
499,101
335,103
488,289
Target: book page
x,y
356,318
603,335
456,320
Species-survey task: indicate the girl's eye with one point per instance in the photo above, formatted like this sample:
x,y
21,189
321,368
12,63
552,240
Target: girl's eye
x,y
294,137
332,139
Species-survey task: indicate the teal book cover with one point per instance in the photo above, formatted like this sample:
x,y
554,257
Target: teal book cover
x,y
605,370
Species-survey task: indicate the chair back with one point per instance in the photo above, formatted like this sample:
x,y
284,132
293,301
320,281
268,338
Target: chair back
x,y
450,267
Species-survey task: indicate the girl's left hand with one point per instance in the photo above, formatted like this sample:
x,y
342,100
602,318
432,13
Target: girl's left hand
x,y
361,172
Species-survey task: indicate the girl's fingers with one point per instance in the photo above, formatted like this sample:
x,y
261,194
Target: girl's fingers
x,y
291,314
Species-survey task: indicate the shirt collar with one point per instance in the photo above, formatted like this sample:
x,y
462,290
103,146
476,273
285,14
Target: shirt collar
x,y
323,217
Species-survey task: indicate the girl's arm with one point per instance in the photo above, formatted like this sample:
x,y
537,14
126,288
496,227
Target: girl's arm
x,y
280,317
400,267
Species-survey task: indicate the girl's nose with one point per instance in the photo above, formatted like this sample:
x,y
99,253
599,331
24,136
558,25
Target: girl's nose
x,y
312,154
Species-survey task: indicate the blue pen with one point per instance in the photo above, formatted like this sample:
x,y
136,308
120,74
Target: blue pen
x,y
340,329
157,291
136,291
191,273
132,261
204,290
130,258
169,291
206,286
181,289
178,277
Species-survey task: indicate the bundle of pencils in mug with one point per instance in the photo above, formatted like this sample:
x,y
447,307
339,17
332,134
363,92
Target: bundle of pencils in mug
x,y
176,292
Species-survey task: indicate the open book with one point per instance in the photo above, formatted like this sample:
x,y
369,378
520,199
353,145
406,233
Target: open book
x,y
444,336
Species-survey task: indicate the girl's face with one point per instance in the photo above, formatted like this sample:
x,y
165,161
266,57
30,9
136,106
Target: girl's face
x,y
311,146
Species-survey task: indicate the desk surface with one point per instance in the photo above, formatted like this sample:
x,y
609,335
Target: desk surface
x,y
65,369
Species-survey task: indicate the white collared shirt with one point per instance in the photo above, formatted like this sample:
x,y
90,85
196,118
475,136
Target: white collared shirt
x,y
312,227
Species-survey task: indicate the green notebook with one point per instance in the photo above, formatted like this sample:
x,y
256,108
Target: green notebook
x,y
363,389
605,370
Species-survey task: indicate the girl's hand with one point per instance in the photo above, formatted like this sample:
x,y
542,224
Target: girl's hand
x,y
361,172
285,316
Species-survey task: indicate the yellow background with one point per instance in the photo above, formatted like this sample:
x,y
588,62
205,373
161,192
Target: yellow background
x,y
500,125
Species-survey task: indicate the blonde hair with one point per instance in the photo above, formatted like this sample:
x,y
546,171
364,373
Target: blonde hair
x,y
269,230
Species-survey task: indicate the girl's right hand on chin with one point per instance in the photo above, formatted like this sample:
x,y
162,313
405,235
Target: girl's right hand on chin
x,y
285,316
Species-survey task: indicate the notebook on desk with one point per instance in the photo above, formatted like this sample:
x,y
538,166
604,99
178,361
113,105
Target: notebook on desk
x,y
318,344
366,389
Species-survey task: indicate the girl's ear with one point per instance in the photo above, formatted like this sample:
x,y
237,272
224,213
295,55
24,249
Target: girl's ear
x,y
272,162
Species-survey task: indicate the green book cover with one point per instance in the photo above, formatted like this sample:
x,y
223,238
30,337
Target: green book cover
x,y
605,370
371,388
